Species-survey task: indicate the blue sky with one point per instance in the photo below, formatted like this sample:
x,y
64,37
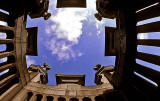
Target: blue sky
x,y
72,42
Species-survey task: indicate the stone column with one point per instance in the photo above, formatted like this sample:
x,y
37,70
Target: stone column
x,y
67,98
104,97
55,98
33,98
80,98
92,98
44,98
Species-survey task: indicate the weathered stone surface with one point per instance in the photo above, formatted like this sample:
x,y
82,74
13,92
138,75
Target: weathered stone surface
x,y
72,93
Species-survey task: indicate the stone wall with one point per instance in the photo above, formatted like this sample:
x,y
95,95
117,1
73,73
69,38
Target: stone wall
x,y
67,91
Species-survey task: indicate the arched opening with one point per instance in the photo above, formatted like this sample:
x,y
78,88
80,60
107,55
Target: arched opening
x,y
39,97
29,95
74,99
61,99
99,98
86,99
50,98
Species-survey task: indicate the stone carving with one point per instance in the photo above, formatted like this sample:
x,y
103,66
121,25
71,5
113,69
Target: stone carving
x,y
105,9
40,9
42,70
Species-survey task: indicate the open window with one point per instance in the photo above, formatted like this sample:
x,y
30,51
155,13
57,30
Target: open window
x,y
71,3
111,41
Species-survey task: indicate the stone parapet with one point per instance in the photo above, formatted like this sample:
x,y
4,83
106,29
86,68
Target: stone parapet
x,y
69,90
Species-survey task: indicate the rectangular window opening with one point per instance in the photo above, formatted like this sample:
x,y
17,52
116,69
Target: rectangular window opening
x,y
1,73
148,80
147,64
149,49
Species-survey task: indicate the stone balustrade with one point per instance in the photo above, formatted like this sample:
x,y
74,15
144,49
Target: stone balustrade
x,y
40,92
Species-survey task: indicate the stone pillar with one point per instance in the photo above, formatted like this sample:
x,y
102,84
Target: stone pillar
x,y
104,97
20,48
33,98
80,98
55,98
44,98
92,98
67,98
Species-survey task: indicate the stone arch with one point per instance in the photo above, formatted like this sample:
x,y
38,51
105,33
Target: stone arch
x,y
39,97
61,99
29,95
86,99
74,99
50,98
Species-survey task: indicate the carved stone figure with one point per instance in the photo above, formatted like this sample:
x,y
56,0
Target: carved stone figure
x,y
105,9
40,9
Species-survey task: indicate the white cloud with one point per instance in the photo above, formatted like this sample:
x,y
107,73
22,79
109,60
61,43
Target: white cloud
x,y
1,73
3,35
63,50
142,36
80,54
30,61
66,28
68,24
3,23
3,60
